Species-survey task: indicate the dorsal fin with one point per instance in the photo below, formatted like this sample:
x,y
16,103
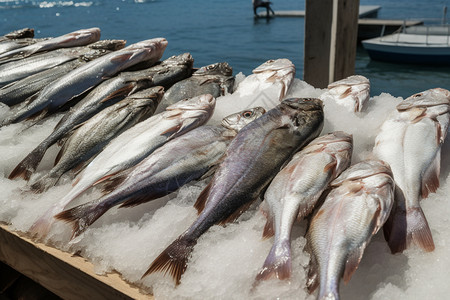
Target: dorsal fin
x,y
202,198
430,179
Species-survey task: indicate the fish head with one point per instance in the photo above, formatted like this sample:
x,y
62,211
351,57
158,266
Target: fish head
x,y
353,91
300,112
149,49
197,107
221,68
239,120
425,99
112,45
91,34
146,101
277,71
182,59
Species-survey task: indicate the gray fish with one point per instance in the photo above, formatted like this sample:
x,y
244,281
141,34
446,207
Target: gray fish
x,y
87,76
18,34
77,38
171,166
106,94
251,161
355,209
20,90
215,79
90,137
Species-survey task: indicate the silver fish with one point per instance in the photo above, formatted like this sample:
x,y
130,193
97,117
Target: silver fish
x,y
20,90
355,209
90,137
87,76
8,45
215,79
410,141
77,38
352,92
239,120
250,163
191,156
132,146
294,192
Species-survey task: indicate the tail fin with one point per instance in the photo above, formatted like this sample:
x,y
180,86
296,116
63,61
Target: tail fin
x,y
418,230
395,227
82,216
44,183
278,263
29,164
173,260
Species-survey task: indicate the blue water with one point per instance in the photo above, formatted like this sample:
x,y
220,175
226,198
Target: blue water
x,y
214,31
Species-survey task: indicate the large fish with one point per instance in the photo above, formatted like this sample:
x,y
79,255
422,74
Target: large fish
x,y
87,76
294,192
77,38
20,90
90,137
352,92
107,93
132,146
355,209
410,141
215,79
251,161
171,166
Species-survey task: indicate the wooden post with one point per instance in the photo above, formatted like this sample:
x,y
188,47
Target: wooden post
x,y
331,30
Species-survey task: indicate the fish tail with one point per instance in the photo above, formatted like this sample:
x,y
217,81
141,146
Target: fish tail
x,y
331,294
173,260
29,164
278,263
40,229
418,230
44,183
395,227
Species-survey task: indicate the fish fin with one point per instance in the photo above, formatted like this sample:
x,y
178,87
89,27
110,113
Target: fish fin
x,y
142,199
269,230
173,259
236,213
418,230
278,263
121,58
44,183
29,164
125,91
40,229
347,92
313,280
430,179
394,228
104,178
352,262
172,130
330,166
60,154
202,198
111,183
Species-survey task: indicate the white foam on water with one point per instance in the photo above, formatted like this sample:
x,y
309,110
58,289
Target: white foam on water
x,y
226,259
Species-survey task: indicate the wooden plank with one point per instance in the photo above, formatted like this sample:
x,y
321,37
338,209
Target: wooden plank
x,y
68,276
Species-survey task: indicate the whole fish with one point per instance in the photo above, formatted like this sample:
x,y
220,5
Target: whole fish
x,y
352,92
20,90
294,192
132,146
215,79
18,34
107,93
251,161
87,76
77,38
410,141
355,209
90,137
171,166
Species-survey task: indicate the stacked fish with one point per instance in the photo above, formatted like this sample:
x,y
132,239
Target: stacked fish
x,y
122,134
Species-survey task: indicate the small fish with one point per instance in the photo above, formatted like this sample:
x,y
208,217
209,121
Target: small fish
x,y
77,38
251,161
355,209
410,141
131,147
192,156
90,137
352,92
294,192
215,79
84,78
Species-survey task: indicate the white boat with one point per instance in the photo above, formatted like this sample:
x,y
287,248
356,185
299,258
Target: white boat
x,y
416,45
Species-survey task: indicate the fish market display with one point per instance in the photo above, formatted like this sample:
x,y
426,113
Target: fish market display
x,y
250,162
171,166
355,209
90,137
294,192
410,141
352,92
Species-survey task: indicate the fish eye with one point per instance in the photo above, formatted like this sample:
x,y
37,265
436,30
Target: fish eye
x,y
247,114
417,95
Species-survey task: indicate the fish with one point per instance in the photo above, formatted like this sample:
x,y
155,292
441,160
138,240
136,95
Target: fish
x,y
357,206
80,37
176,163
238,120
215,79
410,141
107,93
295,191
8,45
131,147
352,92
18,91
251,161
89,138
84,78
18,34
